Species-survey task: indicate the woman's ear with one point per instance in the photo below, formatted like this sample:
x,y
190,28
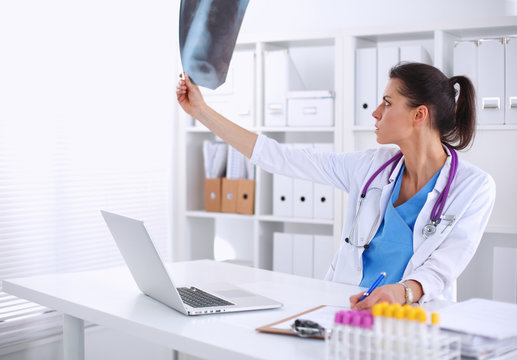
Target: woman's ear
x,y
421,116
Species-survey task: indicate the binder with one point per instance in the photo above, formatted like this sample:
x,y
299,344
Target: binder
x,y
280,76
234,99
303,194
213,195
415,53
490,82
465,60
283,252
511,81
323,254
245,196
275,87
365,85
323,199
302,255
244,86
282,195
229,195
387,57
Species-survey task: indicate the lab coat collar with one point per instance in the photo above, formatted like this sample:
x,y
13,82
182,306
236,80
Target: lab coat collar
x,y
442,178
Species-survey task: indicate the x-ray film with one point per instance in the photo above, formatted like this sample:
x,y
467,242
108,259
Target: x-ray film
x,y
208,32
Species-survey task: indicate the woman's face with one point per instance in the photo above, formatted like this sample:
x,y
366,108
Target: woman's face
x,y
394,119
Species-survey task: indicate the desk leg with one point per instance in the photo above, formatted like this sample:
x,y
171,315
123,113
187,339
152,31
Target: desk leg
x,y
73,337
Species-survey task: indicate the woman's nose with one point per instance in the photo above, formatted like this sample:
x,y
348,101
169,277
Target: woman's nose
x,y
377,113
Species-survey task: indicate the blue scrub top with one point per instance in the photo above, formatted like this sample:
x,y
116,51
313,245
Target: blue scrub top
x,y
392,246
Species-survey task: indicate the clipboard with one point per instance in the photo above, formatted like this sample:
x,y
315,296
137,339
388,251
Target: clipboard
x,y
273,328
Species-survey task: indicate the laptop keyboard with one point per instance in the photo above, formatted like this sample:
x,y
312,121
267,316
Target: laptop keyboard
x,y
198,298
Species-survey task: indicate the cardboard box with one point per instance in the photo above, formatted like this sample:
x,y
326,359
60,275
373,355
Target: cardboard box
x,y
213,195
246,196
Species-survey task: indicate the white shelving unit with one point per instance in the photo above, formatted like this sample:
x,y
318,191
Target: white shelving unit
x,y
327,62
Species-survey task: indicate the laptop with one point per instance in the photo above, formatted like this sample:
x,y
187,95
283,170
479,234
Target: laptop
x,y
153,279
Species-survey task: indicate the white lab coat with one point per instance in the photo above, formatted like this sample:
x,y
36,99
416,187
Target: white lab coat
x,y
437,261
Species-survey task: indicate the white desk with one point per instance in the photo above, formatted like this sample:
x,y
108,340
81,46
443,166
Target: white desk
x,y
111,298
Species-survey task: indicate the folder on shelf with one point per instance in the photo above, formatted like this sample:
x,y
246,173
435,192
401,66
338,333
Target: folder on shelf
x,y
323,255
465,60
302,254
245,196
280,76
229,195
282,195
511,81
283,252
323,197
213,195
365,85
490,82
323,315
387,57
415,53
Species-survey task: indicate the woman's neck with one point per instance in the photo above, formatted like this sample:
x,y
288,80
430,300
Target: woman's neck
x,y
422,161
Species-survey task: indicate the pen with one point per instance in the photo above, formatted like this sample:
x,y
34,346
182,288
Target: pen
x,y
375,284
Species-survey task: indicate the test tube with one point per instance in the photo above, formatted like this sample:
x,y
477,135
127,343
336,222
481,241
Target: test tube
x,y
410,333
421,317
367,324
344,348
435,335
399,343
355,338
388,332
377,310
331,338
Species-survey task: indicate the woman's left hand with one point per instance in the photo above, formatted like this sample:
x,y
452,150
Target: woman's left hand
x,y
392,293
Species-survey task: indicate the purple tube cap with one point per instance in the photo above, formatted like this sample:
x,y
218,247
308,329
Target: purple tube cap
x,y
356,319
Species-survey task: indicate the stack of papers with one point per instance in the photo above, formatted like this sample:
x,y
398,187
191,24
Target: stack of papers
x,y
487,328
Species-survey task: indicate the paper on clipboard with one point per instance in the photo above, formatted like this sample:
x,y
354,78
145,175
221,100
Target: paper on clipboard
x,y
323,315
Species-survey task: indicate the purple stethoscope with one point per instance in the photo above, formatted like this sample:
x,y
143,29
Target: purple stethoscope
x,y
436,213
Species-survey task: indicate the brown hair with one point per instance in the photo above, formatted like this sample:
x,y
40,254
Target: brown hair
x,y
426,85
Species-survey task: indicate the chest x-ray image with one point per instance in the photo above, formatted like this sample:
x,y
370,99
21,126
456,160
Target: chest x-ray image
x,y
207,35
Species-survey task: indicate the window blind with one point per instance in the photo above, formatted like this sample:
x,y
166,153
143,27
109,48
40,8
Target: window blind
x,y
86,105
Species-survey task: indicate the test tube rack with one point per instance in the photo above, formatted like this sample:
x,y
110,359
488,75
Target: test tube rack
x,y
374,347
389,333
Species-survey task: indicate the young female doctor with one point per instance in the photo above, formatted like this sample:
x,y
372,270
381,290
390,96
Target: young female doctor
x,y
415,212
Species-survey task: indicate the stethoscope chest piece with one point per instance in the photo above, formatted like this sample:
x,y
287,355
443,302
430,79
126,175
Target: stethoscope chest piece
x,y
429,230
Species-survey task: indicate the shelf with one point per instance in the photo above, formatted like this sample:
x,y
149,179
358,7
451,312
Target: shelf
x,y
497,127
297,129
500,230
204,130
359,128
274,218
218,215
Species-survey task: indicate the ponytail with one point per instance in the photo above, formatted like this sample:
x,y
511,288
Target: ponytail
x,y
465,116
426,85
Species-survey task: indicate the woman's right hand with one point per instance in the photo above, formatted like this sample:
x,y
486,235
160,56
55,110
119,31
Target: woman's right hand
x,y
189,96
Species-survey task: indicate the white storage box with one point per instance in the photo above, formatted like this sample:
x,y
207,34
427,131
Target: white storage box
x,y
310,108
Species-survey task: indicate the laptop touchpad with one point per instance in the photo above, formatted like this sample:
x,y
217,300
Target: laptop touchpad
x,y
235,293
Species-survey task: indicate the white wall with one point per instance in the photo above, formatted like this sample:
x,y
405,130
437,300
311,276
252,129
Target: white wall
x,y
267,16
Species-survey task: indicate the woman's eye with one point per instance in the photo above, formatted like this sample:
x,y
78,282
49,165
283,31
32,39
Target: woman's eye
x,y
386,103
